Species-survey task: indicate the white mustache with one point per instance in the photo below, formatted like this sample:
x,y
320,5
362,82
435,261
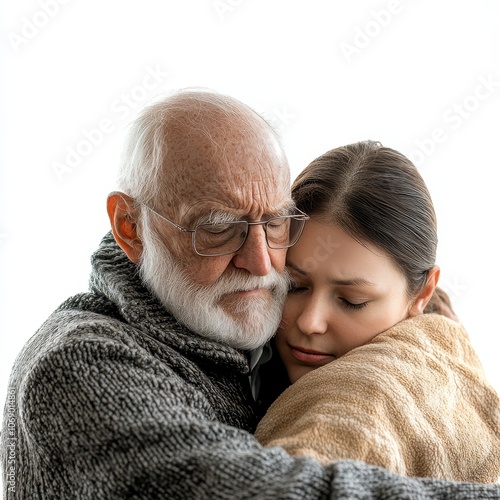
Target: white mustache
x,y
241,282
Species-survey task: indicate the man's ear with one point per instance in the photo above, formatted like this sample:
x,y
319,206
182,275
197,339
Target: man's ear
x,y
123,224
425,294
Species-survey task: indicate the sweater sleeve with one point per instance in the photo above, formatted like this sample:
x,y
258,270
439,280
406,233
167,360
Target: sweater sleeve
x,y
101,421
96,420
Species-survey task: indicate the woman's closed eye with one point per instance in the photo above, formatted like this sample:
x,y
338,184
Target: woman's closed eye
x,y
296,288
353,305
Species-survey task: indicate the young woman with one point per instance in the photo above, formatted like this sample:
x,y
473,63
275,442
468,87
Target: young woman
x,y
379,380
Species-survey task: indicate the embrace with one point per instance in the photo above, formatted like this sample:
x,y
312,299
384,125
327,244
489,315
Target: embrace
x,y
236,327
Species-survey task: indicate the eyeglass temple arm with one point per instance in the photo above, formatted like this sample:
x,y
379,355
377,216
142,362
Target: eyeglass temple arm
x,y
301,214
180,228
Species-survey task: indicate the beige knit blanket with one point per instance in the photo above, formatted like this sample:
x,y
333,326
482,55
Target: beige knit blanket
x,y
413,400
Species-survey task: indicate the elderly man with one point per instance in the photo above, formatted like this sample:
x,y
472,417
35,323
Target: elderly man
x,y
140,387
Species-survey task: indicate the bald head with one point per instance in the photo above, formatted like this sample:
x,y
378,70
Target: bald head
x,y
202,143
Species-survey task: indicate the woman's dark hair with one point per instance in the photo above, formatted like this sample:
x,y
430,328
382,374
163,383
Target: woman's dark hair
x,y
377,196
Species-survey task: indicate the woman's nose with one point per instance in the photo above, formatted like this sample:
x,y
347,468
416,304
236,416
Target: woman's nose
x,y
313,317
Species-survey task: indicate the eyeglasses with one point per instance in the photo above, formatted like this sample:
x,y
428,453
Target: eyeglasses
x,y
214,240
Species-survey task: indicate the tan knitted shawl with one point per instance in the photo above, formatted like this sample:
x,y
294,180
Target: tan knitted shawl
x,y
414,400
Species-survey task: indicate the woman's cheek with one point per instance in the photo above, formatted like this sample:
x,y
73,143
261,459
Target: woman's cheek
x,y
291,311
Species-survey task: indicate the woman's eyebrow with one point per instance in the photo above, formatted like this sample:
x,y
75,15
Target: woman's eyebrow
x,y
351,282
296,269
354,281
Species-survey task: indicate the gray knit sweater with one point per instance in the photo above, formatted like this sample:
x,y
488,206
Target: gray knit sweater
x,y
112,398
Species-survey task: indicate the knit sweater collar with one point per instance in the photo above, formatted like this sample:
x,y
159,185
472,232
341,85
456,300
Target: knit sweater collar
x,y
115,277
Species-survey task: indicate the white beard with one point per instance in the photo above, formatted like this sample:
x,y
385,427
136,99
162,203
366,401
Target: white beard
x,y
250,321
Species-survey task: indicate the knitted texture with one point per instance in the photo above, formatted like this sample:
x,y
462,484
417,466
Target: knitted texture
x,y
113,399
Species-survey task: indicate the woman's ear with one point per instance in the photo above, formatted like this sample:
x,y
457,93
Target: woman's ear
x,y
420,301
123,224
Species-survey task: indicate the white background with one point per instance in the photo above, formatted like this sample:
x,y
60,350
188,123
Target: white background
x,y
408,73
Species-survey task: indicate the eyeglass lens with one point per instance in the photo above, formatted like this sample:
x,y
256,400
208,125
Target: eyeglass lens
x,y
219,239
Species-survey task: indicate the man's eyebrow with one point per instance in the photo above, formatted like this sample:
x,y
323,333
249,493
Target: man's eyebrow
x,y
287,209
355,281
221,217
215,217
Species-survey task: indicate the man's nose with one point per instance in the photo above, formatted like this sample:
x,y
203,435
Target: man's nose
x,y
312,319
254,254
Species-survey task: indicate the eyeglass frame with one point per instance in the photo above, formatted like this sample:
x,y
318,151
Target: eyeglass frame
x,y
301,216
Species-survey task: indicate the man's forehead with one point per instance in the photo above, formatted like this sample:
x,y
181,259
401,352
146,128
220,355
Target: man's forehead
x,y
203,209
241,170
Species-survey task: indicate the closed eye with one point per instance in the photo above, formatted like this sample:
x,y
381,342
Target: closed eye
x,y
293,288
351,305
216,228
